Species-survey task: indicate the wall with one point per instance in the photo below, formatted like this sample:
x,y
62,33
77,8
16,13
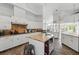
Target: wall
x,y
35,25
19,28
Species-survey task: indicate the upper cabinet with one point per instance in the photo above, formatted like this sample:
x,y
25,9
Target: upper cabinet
x,y
6,9
19,15
23,16
18,12
5,23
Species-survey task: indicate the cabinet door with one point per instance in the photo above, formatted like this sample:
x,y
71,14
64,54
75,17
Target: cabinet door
x,y
9,42
25,39
5,43
19,15
2,44
5,22
39,46
75,44
6,9
70,41
18,12
66,39
22,39
62,38
15,40
19,39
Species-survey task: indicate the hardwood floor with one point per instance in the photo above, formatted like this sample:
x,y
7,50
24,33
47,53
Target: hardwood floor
x,y
62,49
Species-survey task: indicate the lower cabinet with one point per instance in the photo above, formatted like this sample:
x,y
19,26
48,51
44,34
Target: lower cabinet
x,y
39,46
75,44
19,39
70,41
5,43
12,41
5,25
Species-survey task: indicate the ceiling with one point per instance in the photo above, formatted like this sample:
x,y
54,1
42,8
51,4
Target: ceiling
x,y
47,9
61,9
37,8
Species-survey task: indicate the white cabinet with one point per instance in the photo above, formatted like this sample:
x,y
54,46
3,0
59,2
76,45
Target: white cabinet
x,y
66,40
8,42
22,39
19,39
5,22
39,46
15,40
19,15
70,41
19,12
75,43
6,9
5,43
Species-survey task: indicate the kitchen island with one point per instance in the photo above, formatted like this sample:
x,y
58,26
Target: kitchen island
x,y
38,39
44,44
